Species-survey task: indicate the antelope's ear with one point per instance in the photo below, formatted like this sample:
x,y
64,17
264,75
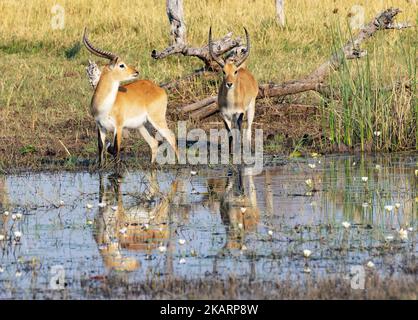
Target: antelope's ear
x,y
114,62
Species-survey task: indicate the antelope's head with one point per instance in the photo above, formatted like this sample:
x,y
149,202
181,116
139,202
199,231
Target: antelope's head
x,y
116,68
229,69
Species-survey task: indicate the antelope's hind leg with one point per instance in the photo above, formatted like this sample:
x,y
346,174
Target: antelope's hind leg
x,y
101,137
152,142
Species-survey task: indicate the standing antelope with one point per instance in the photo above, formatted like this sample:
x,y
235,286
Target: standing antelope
x,y
131,106
237,92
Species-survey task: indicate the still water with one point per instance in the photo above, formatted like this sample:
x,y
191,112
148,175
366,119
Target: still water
x,y
69,230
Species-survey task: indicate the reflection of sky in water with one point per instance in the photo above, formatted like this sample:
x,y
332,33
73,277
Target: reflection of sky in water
x,y
54,235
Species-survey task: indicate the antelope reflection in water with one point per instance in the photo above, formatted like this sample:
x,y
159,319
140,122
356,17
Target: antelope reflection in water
x,y
138,226
237,205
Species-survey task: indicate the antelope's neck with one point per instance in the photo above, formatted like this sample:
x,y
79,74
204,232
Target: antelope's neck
x,y
104,95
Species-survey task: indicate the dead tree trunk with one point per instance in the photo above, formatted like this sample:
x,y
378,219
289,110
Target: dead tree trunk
x,y
315,80
179,41
280,12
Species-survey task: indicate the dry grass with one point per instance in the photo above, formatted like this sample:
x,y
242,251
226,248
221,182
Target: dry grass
x,y
44,93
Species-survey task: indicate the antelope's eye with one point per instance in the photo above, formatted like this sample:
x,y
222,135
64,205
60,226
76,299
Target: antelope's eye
x,y
122,66
236,71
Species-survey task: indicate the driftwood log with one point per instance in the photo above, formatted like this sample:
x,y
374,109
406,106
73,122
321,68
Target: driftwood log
x,y
315,80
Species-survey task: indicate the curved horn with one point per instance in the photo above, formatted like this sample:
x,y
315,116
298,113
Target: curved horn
x,y
240,62
98,52
214,57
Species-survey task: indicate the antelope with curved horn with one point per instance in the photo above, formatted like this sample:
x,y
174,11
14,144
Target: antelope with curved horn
x,y
116,107
237,92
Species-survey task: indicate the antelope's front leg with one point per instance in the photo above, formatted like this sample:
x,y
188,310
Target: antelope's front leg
x,y
115,148
101,137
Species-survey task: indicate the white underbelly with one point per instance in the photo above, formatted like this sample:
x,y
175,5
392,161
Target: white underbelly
x,y
135,122
107,123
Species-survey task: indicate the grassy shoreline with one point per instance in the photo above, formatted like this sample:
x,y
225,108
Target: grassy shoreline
x,y
45,95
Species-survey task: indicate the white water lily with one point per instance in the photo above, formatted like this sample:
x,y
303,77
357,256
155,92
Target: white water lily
x,y
309,183
354,163
365,205
240,225
18,274
2,237
17,235
397,205
307,270
389,238
162,248
193,173
377,133
346,224
13,216
123,230
114,208
243,209
364,179
89,222
307,253
370,264
182,261
102,204
244,247
182,241
410,229
62,203
312,165
378,167
389,208
194,191
89,206
270,232
18,216
403,234
6,213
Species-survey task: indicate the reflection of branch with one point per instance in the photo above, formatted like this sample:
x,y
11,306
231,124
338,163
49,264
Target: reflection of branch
x,y
315,80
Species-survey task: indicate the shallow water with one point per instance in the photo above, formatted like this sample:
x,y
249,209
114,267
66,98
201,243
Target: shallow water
x,y
231,223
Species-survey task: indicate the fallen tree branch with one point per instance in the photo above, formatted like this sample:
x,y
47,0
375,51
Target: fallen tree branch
x,y
315,80
179,44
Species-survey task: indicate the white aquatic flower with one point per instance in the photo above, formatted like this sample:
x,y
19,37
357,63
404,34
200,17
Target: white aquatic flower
x,y
18,274
162,248
193,173
313,204
378,167
194,191
62,203
397,205
13,216
307,253
377,133
182,241
102,204
18,216
17,235
307,270
146,226
244,247
389,238
114,208
312,165
2,237
354,163
270,232
309,182
364,179
89,222
346,224
89,206
243,209
6,213
182,261
389,208
240,225
365,205
370,264
403,234
410,229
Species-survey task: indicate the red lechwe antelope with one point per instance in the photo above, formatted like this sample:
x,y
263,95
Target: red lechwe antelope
x,y
116,107
237,92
